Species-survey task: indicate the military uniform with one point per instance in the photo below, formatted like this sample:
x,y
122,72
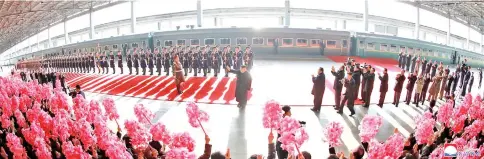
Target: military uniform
x,y
209,61
166,63
185,61
158,62
120,61
142,62
227,60
196,62
129,62
151,63
205,65
136,62
216,63
111,62
91,63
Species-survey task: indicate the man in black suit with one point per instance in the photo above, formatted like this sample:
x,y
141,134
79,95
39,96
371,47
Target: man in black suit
x,y
243,86
338,86
370,80
383,86
349,98
398,87
424,66
409,62
318,89
412,78
471,82
357,77
400,59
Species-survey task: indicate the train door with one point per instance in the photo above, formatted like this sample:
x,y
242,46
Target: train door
x,y
353,46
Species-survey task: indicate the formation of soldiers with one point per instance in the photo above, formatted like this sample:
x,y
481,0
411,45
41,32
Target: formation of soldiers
x,y
194,59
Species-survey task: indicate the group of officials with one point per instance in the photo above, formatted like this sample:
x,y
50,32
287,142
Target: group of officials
x,y
193,59
423,77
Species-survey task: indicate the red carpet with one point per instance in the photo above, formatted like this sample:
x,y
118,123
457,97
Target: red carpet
x,y
158,87
100,81
126,85
389,63
217,93
114,83
136,86
205,89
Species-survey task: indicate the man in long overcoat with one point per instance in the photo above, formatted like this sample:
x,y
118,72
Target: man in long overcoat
x,y
244,83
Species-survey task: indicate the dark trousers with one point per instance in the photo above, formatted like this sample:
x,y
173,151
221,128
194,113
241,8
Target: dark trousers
x,y
357,90
318,100
216,70
416,99
408,97
130,70
144,70
151,70
382,98
349,100
423,95
178,88
137,70
195,71
337,98
107,70
121,69
185,70
281,153
367,98
158,69
396,98
114,70
167,70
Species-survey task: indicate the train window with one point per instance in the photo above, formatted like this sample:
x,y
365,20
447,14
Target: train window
x,y
143,44
370,46
417,50
287,42
194,42
301,42
241,41
225,41
402,49
270,41
331,44
180,42
168,42
393,48
410,50
105,48
209,41
115,46
134,45
383,47
362,45
258,41
315,42
158,43
344,43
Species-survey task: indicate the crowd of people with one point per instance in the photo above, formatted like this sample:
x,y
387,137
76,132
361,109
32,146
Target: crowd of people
x,y
426,81
194,59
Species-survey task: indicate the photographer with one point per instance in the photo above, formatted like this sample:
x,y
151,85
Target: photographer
x,y
77,91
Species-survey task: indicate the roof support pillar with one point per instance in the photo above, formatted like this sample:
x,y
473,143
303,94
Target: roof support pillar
x,y
49,40
91,25
66,34
468,36
448,31
133,17
199,13
365,17
417,24
287,13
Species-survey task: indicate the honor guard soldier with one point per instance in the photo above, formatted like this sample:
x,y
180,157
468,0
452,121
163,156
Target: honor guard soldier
x,y
120,61
98,62
226,59
234,58
158,61
167,61
111,62
250,58
91,63
216,61
101,63
240,57
186,60
129,61
142,61
136,61
190,58
87,63
105,62
219,55
151,62
196,61
209,58
205,57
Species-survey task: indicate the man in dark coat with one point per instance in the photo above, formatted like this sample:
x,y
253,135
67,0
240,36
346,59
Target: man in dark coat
x,y
404,61
409,62
466,80
383,86
143,61
338,86
412,78
111,62
428,67
456,82
471,82
424,66
398,87
370,80
414,61
349,98
463,73
151,62
425,87
357,77
434,69
319,85
243,86
400,59
480,77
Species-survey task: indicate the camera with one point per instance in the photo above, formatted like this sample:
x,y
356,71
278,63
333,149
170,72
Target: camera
x,y
303,123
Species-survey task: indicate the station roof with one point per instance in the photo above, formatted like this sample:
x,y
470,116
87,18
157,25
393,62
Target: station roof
x,y
464,11
20,20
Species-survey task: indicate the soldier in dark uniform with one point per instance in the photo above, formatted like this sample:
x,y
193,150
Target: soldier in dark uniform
x,y
400,59
186,60
136,61
87,63
404,60
471,82
216,61
101,57
227,59
111,62
167,61
158,61
338,86
424,65
120,61
357,75
398,87
383,86
190,59
204,58
209,59
250,58
369,76
196,62
142,61
240,57
151,61
414,61
98,62
91,63
129,62
480,78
